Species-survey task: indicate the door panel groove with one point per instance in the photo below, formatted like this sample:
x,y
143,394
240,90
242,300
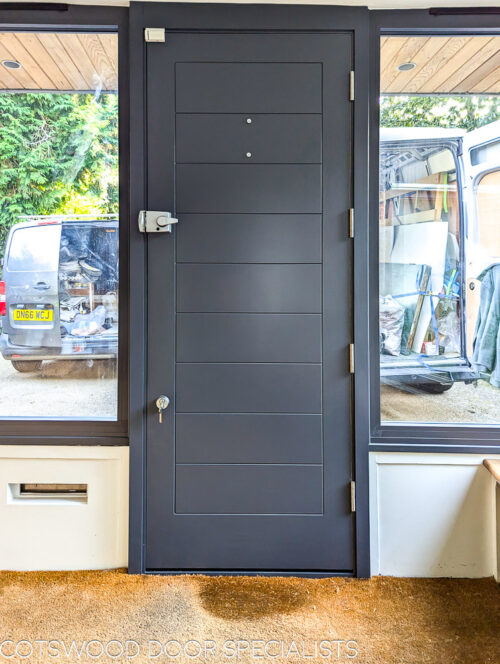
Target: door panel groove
x,y
252,313
247,263
315,465
249,165
244,412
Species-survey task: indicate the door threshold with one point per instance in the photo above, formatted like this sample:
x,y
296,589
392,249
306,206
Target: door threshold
x,y
320,574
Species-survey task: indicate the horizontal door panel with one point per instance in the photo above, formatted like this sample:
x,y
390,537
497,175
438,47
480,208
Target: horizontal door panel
x,y
257,438
249,288
249,238
226,138
236,87
249,188
249,337
249,489
248,388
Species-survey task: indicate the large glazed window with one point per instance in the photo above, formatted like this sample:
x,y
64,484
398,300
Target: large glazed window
x,y
59,282
439,256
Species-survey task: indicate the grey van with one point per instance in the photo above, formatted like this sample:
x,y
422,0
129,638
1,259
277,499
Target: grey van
x,y
59,293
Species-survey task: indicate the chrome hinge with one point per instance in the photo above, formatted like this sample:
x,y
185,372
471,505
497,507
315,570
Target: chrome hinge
x,y
154,34
353,496
351,358
351,86
351,222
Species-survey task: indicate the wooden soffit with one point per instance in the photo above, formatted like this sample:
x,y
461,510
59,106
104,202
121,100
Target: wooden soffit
x,y
59,61
444,65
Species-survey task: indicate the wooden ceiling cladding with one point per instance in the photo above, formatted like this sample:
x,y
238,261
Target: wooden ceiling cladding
x,y
447,65
59,61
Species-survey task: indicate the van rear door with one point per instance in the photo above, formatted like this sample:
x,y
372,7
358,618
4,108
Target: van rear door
x,y
421,230
481,156
31,285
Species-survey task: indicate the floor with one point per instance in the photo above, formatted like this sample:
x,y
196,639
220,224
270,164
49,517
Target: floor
x,y
197,619
475,403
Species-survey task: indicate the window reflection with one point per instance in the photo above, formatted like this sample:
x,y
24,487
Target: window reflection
x,y
59,285
439,241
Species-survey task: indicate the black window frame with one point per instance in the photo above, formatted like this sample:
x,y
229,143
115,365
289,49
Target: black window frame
x,y
74,18
414,437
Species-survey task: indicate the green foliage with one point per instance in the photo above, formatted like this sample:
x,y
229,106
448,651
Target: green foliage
x,y
462,112
58,155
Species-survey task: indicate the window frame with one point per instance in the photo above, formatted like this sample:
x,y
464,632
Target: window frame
x,y
74,18
416,437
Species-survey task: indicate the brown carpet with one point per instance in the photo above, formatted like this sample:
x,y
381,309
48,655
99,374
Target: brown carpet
x,y
241,619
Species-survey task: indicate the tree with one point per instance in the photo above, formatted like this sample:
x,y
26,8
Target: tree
x,y
460,112
58,154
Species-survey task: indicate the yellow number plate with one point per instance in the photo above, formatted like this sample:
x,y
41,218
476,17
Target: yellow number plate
x,y
35,315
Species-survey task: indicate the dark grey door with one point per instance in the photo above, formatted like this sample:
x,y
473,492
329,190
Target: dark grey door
x,y
249,312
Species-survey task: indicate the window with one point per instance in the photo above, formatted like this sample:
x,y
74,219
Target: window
x,y
439,253
34,248
59,287
485,152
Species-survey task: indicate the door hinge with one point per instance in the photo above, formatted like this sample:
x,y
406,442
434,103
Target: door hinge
x,y
353,496
351,222
351,358
351,86
154,34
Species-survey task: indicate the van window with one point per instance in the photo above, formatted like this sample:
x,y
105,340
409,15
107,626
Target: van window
x,y
34,248
487,233
484,153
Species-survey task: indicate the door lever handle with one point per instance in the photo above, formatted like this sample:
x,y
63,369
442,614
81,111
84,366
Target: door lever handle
x,y
41,285
153,221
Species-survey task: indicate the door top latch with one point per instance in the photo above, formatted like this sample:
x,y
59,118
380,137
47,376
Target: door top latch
x,y
154,34
154,221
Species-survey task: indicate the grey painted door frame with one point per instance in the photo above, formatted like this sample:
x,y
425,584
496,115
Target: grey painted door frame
x,y
177,17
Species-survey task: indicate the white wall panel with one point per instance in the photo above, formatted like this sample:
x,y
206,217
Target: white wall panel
x,y
56,534
432,515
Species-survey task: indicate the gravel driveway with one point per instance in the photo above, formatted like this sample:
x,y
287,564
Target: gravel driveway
x,y
478,404
88,389
67,388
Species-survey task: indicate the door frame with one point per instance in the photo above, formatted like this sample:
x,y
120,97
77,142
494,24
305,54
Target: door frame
x,y
223,18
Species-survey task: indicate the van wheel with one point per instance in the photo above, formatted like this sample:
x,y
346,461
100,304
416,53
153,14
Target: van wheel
x,y
434,388
27,366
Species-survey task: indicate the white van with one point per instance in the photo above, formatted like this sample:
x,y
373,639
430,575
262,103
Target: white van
x,y
439,230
